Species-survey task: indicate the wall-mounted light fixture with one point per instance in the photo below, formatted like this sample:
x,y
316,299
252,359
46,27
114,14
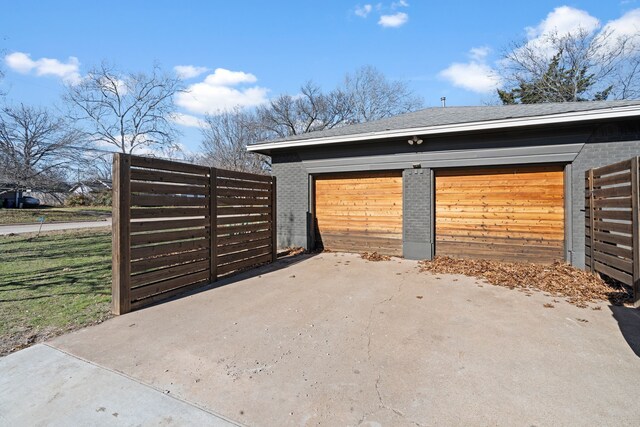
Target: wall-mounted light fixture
x,y
415,140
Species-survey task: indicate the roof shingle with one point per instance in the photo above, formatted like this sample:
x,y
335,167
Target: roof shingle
x,y
439,116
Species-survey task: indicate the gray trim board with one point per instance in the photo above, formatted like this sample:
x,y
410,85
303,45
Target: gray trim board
x,y
432,192
568,214
448,159
311,216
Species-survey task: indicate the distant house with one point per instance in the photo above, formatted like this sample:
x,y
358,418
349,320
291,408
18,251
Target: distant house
x,y
89,187
9,197
501,182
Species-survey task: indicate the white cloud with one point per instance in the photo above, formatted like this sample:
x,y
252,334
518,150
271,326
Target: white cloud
x,y
222,77
22,63
187,120
393,21
472,76
363,11
478,76
175,151
401,3
475,75
563,20
189,71
217,92
19,62
628,25
479,53
566,20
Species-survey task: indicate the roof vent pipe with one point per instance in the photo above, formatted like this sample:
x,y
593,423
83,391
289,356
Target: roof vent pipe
x,y
444,101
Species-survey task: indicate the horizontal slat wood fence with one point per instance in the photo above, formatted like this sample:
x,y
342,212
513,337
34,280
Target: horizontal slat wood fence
x,y
612,223
178,226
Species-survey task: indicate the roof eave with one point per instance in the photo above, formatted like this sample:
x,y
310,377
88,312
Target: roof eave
x,y
576,116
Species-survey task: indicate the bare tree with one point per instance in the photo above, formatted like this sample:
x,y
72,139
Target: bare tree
x,y
127,110
572,67
35,147
96,166
225,138
310,111
371,96
2,93
364,96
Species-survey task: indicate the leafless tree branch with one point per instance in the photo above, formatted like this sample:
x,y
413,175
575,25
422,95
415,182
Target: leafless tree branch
x,y
126,110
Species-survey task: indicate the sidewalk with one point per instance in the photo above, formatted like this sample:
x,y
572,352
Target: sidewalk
x,y
33,228
44,386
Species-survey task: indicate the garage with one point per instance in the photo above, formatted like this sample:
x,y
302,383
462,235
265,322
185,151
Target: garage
x,y
503,213
358,212
499,172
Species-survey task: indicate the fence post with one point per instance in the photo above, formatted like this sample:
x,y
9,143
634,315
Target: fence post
x,y
591,220
213,225
274,221
635,231
121,234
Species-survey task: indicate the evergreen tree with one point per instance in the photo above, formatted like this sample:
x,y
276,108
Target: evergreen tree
x,y
557,84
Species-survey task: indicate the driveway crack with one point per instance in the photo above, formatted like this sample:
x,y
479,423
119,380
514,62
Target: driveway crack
x,y
383,405
373,307
381,402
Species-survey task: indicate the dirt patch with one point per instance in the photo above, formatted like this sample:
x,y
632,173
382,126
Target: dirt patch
x,y
26,337
374,256
559,279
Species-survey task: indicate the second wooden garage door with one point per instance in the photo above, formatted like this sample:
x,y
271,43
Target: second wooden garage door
x,y
359,212
507,214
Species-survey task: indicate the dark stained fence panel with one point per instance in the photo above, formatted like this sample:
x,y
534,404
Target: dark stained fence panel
x,y
245,213
612,243
178,226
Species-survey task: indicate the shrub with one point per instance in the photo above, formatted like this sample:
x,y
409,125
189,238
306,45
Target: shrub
x,y
102,198
77,200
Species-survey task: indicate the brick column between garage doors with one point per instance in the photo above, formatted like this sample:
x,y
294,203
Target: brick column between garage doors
x,y
417,225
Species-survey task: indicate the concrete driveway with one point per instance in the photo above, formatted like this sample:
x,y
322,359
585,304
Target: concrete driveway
x,y
336,340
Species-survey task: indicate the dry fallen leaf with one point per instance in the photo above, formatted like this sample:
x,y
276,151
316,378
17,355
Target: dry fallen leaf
x,y
557,280
295,250
374,256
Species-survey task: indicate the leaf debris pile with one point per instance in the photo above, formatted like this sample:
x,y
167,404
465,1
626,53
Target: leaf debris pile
x,y
374,256
558,279
296,250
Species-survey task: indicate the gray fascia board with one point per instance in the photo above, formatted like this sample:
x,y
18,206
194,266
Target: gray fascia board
x,y
498,161
459,158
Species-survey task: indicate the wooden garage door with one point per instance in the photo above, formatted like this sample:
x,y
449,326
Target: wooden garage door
x,y
508,214
359,212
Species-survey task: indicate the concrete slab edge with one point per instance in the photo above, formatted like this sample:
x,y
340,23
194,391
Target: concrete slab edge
x,y
122,374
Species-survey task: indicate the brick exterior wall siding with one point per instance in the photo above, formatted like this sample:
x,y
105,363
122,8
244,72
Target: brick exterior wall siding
x,y
293,200
416,209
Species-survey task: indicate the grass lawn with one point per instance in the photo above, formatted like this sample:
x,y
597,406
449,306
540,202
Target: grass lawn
x,y
28,216
52,284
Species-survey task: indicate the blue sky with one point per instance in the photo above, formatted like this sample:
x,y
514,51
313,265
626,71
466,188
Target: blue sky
x,y
245,52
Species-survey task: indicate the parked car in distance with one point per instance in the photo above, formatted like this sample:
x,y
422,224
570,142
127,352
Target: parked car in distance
x,y
29,202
